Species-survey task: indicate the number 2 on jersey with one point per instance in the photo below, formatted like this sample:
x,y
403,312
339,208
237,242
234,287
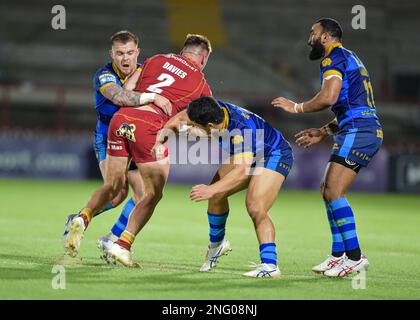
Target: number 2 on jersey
x,y
165,81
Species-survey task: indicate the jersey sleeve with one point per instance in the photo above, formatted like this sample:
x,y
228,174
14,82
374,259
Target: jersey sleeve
x,y
104,78
334,66
241,143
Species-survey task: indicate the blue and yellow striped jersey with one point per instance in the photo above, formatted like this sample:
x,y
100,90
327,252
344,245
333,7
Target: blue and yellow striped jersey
x,y
249,133
105,109
356,97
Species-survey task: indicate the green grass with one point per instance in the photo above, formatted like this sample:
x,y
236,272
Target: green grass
x,y
172,246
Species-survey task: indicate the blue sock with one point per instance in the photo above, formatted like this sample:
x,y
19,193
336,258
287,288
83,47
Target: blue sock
x,y
217,224
344,219
122,222
268,253
337,240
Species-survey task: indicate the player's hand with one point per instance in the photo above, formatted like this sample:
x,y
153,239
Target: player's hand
x,y
158,151
309,137
163,103
285,104
201,192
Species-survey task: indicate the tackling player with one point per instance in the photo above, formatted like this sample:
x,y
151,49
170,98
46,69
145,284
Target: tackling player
x,y
347,89
254,146
132,134
112,90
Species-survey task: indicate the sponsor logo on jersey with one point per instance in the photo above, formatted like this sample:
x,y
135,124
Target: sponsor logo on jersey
x,y
127,131
326,62
350,163
107,78
237,139
114,147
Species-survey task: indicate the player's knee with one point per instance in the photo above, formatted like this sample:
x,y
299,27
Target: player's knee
x,y
255,210
114,187
217,199
330,194
151,197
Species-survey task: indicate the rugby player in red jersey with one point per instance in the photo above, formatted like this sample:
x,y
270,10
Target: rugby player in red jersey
x,y
132,135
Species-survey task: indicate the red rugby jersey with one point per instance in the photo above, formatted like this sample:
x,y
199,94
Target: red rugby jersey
x,y
174,77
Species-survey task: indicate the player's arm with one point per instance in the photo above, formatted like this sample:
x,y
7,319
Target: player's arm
x,y
172,127
230,182
325,98
309,137
126,98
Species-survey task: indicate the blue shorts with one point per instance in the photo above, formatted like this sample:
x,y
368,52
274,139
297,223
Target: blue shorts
x,y
99,145
280,159
358,144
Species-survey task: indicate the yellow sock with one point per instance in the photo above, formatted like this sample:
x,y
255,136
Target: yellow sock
x,y
88,213
127,237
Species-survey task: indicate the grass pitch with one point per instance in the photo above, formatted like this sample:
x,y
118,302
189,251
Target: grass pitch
x,y
172,246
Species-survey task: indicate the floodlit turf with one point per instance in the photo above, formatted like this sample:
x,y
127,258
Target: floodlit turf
x,y
172,246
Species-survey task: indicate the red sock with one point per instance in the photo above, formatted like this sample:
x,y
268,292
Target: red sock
x,y
85,220
123,244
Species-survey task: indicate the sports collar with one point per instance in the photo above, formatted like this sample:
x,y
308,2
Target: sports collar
x,y
225,119
334,45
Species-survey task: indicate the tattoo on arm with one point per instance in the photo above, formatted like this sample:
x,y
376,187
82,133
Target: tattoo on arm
x,y
122,97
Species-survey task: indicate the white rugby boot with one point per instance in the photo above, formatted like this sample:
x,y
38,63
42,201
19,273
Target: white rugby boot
x,y
67,228
264,270
104,244
213,255
328,263
119,254
348,267
74,236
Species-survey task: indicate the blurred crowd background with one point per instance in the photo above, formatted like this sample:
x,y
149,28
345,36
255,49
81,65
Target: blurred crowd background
x,y
260,52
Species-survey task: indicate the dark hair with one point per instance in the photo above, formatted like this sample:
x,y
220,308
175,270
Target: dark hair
x,y
124,36
198,40
205,110
332,27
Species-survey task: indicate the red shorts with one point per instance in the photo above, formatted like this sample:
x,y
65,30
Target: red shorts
x,y
133,133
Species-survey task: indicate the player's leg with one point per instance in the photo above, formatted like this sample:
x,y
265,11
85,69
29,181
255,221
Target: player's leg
x,y
105,242
262,192
100,146
354,148
217,214
114,180
154,176
135,181
121,196
338,179
332,173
